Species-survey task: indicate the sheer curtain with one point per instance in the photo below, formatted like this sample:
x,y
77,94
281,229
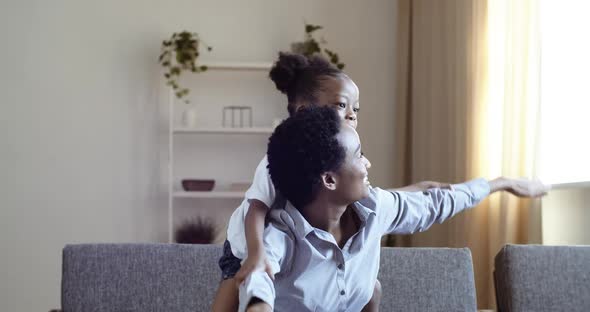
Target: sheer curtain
x,y
466,107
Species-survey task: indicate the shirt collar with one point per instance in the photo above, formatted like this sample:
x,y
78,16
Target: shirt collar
x,y
300,225
302,228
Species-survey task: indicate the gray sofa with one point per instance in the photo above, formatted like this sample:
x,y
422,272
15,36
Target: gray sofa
x,y
543,278
172,277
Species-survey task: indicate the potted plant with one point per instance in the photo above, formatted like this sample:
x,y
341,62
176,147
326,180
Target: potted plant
x,y
311,46
179,54
196,231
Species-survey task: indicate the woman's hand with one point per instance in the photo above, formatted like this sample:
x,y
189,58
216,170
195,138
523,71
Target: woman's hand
x,y
520,187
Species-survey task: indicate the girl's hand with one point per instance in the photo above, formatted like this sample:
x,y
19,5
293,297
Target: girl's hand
x,y
260,306
256,260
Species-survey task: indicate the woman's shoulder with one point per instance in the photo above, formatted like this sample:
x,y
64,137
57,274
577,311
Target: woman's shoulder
x,y
375,195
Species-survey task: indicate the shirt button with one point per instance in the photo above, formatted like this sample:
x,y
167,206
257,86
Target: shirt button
x,y
342,292
425,193
340,266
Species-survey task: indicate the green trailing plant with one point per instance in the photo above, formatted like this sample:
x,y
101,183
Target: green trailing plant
x,y
179,54
311,46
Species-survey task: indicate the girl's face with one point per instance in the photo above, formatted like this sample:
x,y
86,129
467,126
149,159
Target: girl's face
x,y
342,94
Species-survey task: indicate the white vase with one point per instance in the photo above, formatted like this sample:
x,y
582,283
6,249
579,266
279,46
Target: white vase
x,y
189,117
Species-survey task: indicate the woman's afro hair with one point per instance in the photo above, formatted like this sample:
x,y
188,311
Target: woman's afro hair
x,y
301,149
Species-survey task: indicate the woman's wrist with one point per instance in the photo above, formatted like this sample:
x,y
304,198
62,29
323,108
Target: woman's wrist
x,y
499,184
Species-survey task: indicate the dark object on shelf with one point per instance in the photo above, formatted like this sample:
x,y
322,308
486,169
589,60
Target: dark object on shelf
x,y
241,110
191,185
196,231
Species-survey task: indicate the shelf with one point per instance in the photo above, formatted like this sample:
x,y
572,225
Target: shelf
x,y
212,194
259,66
223,196
224,130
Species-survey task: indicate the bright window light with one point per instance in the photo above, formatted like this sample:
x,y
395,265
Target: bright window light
x,y
564,139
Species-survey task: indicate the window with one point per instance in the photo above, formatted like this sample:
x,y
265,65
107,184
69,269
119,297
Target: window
x,y
564,134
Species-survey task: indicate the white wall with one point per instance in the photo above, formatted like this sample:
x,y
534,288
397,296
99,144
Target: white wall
x,y
566,215
79,118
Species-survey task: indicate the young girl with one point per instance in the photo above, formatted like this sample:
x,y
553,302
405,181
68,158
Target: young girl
x,y
306,82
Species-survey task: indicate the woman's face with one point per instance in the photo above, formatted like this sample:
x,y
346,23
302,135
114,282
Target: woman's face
x,y
352,177
342,94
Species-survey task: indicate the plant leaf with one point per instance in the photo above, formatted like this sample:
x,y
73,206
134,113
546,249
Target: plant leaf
x,y
309,28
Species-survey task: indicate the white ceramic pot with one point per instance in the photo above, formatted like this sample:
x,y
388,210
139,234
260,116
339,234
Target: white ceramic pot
x,y
189,118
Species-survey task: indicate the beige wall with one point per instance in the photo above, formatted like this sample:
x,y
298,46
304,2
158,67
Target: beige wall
x,y
566,216
79,133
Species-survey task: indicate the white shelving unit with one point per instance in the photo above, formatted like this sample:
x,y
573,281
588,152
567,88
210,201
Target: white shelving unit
x,y
223,135
222,194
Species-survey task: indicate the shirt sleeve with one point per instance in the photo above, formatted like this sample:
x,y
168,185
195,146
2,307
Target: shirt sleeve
x,y
262,188
410,212
278,246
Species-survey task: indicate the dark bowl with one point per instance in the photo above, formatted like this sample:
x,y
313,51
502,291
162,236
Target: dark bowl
x,y
191,185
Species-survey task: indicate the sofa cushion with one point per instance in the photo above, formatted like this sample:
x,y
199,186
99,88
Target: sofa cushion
x,y
427,279
543,278
139,277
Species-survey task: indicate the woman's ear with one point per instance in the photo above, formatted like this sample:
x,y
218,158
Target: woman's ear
x,y
329,181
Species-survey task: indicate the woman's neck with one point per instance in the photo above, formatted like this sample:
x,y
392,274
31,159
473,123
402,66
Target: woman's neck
x,y
324,215
340,221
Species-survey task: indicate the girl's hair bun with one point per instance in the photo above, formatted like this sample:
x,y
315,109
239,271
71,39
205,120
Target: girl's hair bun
x,y
287,70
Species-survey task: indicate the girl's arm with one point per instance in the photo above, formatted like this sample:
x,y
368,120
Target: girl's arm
x,y
254,225
260,196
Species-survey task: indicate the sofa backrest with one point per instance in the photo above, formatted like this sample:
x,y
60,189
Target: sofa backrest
x,y
427,279
543,278
173,277
139,277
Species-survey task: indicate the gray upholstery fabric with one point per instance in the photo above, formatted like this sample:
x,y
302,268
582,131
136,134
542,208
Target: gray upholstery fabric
x,y
543,278
172,277
427,279
139,277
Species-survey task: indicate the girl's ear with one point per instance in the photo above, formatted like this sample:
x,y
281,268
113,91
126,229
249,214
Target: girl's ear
x,y
329,181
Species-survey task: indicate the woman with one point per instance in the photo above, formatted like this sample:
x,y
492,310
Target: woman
x,y
324,246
